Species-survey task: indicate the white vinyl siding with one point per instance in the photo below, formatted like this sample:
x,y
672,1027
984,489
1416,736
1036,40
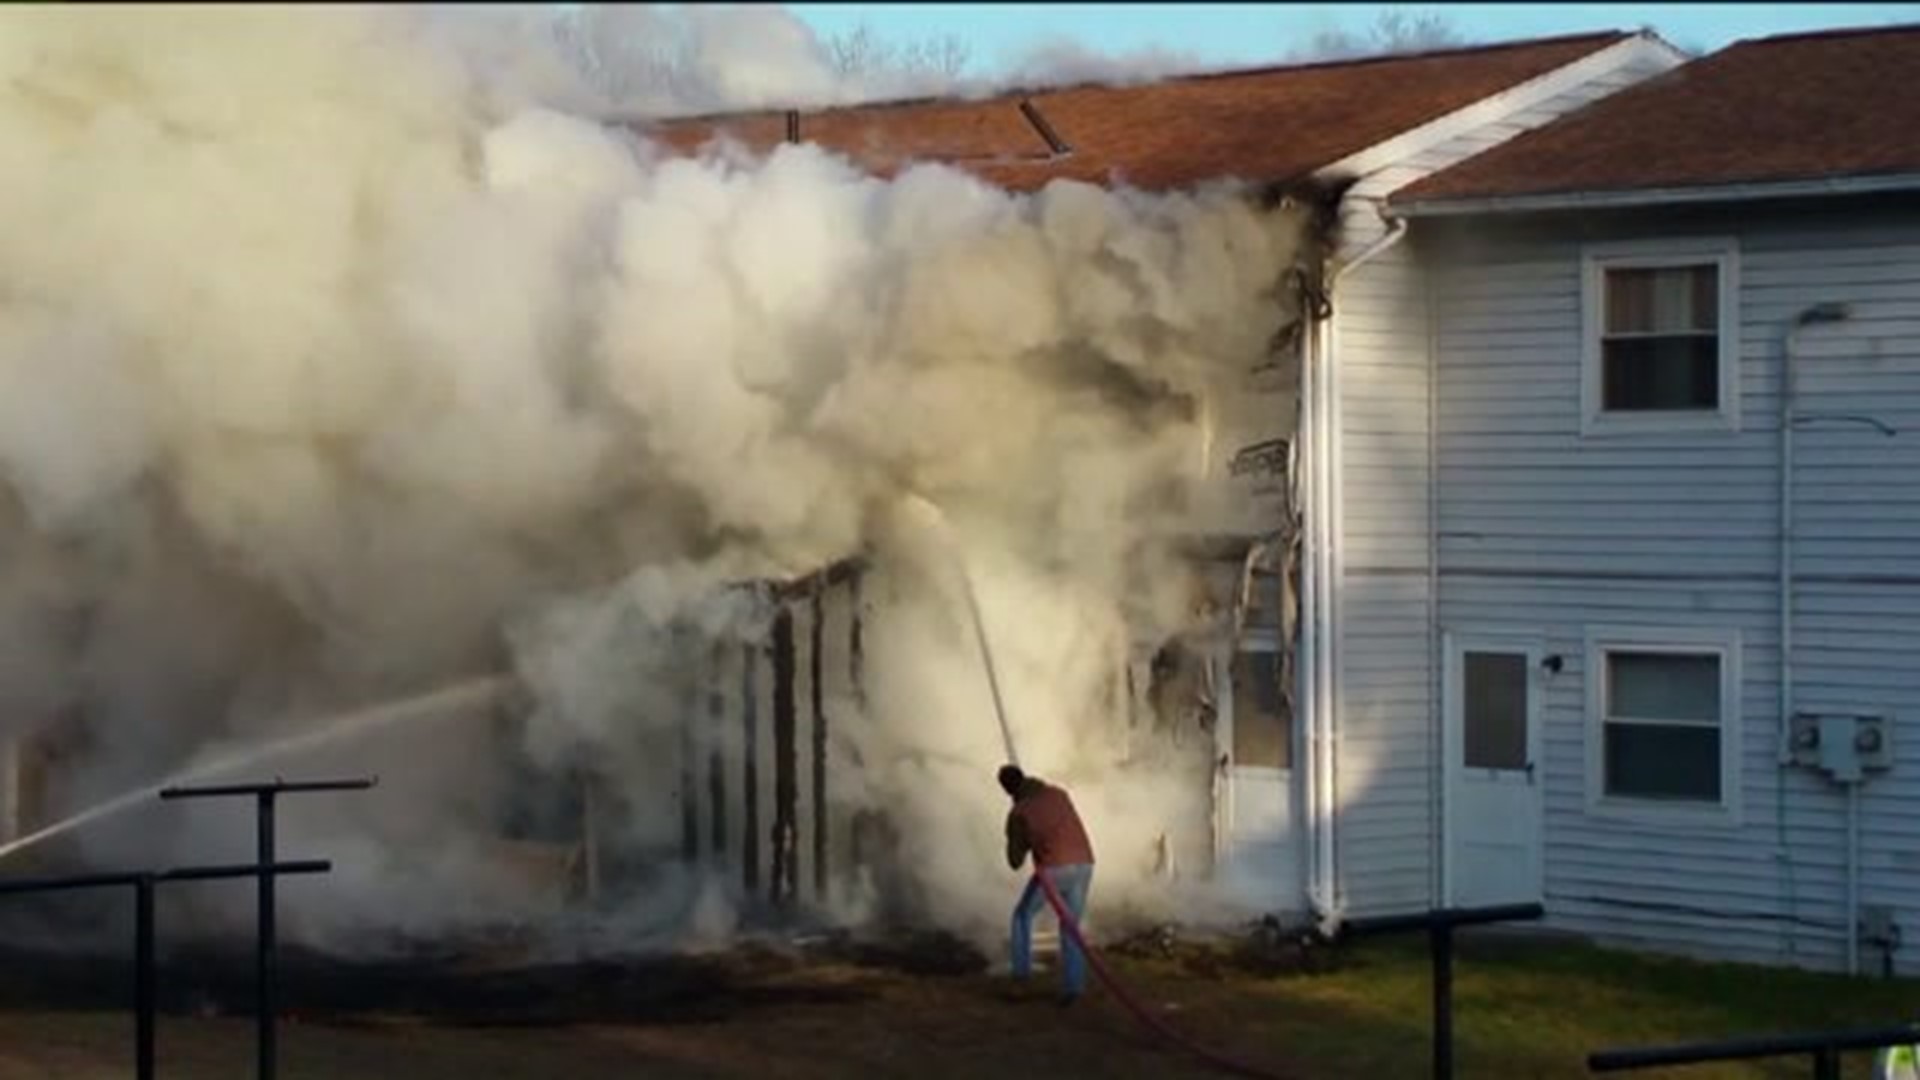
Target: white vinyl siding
x,y
1388,735
1541,526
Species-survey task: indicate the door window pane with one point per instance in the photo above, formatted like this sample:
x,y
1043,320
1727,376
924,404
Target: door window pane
x,y
1262,727
1496,710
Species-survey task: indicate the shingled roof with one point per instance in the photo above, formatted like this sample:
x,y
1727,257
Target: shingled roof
x,y
1799,108
1275,124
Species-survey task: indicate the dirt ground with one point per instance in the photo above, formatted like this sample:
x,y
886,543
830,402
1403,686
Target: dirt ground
x,y
828,1020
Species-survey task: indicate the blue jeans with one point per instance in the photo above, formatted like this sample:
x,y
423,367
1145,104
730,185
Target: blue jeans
x,y
1072,882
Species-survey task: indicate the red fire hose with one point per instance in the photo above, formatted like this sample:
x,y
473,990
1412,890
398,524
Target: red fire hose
x,y
1071,928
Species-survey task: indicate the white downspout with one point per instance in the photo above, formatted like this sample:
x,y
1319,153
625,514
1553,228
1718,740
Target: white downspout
x,y
1438,837
1308,497
1329,565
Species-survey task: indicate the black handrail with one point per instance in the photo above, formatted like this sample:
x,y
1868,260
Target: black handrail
x,y
143,884
267,938
1824,1047
1440,924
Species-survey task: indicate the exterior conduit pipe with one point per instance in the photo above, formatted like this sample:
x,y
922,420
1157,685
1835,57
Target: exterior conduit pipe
x,y
1329,903
1789,349
1853,878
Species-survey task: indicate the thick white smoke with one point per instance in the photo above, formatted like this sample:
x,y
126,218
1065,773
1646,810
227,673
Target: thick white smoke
x,y
332,365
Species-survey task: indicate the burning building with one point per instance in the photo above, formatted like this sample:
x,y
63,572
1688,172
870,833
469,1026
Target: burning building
x,y
352,372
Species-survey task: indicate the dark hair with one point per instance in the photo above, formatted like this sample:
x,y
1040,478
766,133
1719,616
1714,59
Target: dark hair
x,y
1011,778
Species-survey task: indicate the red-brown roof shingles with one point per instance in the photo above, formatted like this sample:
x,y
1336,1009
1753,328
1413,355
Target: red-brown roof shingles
x,y
1805,107
1274,124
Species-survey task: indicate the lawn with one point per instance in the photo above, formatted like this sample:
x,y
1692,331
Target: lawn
x,y
1523,1008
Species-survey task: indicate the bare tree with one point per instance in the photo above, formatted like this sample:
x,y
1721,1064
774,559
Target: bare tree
x,y
863,53
649,55
944,55
1393,32
623,51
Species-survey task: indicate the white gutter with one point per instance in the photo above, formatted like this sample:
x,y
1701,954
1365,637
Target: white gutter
x,y
1327,563
1606,200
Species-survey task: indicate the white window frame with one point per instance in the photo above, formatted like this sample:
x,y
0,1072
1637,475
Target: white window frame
x,y
1596,260
1725,643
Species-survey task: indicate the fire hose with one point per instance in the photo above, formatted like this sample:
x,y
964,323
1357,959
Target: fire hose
x,y
1071,928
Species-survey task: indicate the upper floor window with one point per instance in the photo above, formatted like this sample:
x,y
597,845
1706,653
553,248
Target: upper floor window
x,y
1661,338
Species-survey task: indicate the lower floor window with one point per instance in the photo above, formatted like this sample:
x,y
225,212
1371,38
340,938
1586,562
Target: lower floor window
x,y
1665,714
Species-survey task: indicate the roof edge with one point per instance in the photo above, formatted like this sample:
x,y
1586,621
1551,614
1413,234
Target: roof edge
x,y
1512,98
1013,93
1639,197
1828,32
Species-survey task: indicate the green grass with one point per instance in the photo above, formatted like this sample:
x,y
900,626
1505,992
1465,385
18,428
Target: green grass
x,y
1534,1009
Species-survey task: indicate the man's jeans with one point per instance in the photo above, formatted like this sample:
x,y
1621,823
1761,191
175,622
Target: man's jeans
x,y
1072,882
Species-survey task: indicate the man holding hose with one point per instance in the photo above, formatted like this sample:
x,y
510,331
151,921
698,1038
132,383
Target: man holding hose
x,y
1044,823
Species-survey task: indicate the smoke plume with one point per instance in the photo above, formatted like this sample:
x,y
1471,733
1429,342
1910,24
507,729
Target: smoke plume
x,y
339,359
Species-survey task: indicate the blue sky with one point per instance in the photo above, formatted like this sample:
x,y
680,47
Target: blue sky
x,y
1236,34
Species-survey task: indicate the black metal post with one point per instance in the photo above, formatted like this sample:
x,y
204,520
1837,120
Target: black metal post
x,y
143,883
1826,1064
266,946
143,976
1440,924
1440,943
266,942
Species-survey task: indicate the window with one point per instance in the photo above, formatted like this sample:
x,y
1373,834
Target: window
x,y
1262,725
1662,338
1495,728
1664,708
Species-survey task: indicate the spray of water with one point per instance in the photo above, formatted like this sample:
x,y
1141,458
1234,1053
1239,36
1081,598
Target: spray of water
x,y
930,514
334,729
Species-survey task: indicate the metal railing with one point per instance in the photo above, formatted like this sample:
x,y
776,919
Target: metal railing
x,y
1823,1047
143,884
266,939
1440,925
267,936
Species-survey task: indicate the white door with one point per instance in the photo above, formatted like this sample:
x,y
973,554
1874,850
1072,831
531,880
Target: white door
x,y
1493,804
1258,802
